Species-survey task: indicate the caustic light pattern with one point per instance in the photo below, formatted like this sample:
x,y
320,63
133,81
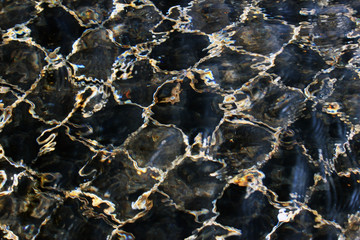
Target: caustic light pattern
x,y
166,120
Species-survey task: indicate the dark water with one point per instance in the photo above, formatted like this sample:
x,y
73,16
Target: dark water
x,y
197,120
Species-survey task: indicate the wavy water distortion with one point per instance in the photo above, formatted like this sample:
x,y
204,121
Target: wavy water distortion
x,y
166,120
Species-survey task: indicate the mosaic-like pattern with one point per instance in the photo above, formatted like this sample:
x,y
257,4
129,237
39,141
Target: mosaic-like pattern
x,y
197,120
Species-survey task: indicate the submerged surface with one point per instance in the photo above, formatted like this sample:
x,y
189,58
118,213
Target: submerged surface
x,y
216,119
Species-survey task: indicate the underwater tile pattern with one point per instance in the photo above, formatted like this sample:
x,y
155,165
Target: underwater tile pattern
x,y
183,119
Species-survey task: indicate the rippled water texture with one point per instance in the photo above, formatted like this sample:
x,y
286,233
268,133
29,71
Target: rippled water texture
x,y
180,119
